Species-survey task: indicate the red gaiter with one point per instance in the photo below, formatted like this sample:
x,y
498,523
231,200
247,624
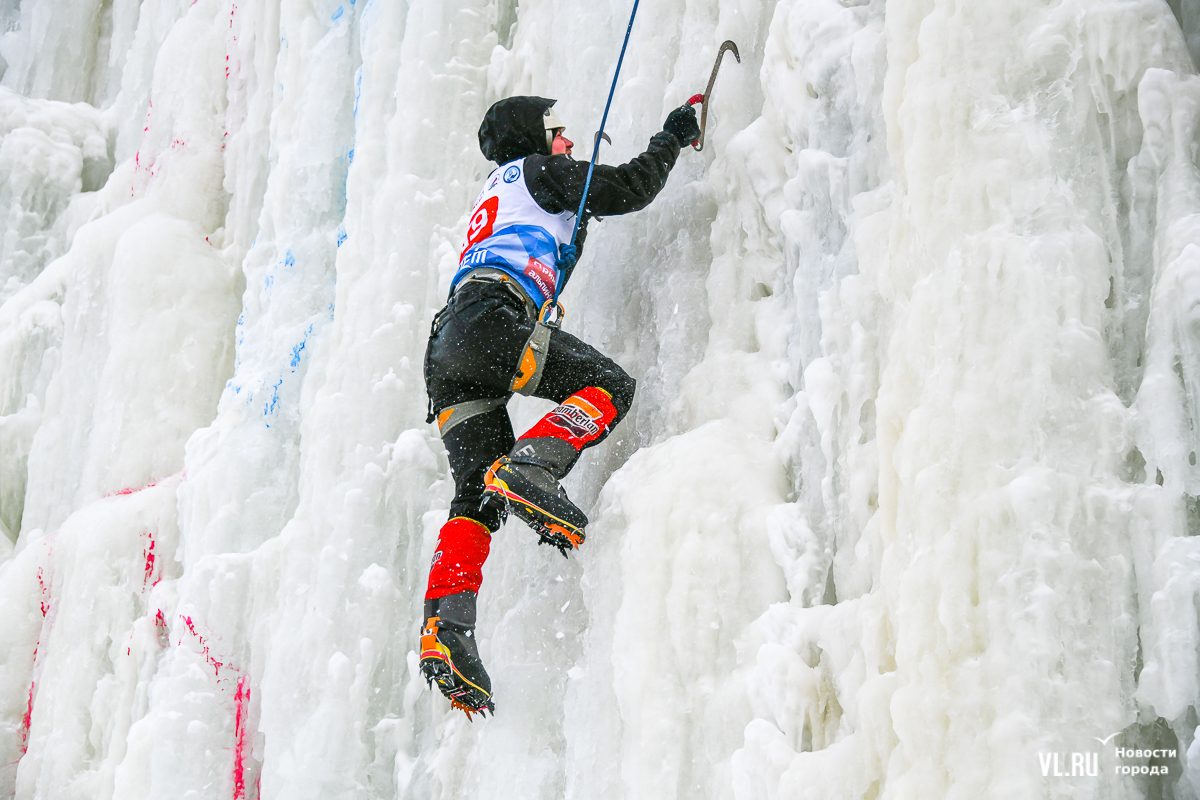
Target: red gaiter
x,y
578,420
462,548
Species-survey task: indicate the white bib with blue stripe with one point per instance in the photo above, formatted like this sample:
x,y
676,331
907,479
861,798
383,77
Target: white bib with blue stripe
x,y
511,232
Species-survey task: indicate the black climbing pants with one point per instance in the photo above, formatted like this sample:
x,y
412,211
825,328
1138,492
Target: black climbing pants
x,y
474,350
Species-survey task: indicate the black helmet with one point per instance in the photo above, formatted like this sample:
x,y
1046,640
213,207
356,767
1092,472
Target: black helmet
x,y
516,127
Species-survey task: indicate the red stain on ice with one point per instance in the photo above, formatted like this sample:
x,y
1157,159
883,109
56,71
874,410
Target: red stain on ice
x,y
148,577
27,719
160,629
241,706
205,650
233,37
45,602
241,703
137,157
46,607
130,490
134,490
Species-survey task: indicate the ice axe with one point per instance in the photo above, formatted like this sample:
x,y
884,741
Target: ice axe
x,y
704,98
596,140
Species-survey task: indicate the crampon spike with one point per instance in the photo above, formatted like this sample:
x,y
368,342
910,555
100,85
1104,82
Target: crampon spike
x,y
558,538
465,709
468,710
553,541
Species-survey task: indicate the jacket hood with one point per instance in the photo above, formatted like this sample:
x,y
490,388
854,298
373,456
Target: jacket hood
x,y
513,128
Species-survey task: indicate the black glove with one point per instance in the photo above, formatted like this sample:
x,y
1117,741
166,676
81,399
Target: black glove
x,y
681,123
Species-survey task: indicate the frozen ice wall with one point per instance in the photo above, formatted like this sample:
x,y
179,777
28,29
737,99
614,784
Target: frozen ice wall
x,y
908,505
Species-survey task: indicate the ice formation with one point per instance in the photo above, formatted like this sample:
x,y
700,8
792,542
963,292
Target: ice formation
x,y
908,503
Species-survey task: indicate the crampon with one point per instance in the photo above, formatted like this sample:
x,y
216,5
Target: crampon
x,y
465,698
449,659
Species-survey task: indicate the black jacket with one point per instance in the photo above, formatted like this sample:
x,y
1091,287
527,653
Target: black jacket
x,y
513,128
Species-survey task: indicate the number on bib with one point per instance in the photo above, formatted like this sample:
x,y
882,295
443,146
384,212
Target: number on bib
x,y
481,223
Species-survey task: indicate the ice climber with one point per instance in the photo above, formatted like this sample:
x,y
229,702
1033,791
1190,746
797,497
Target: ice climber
x,y
496,336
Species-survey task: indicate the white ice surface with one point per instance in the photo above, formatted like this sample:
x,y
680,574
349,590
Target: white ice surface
x,y
908,500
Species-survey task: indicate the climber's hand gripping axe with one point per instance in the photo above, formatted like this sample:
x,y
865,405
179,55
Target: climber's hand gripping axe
x,y
704,98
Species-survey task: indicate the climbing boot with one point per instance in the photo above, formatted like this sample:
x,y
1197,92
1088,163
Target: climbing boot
x,y
525,486
450,657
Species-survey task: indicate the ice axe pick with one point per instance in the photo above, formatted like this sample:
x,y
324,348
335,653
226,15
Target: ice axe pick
x,y
703,99
596,140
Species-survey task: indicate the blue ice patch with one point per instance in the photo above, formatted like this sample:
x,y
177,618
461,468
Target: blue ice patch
x,y
298,349
357,89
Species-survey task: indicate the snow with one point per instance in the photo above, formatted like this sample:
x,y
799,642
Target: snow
x,y
907,500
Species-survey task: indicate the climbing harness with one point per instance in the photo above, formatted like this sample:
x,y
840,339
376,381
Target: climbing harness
x,y
533,355
452,416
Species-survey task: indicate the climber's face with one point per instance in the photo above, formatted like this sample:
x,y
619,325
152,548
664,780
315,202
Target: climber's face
x,y
561,146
